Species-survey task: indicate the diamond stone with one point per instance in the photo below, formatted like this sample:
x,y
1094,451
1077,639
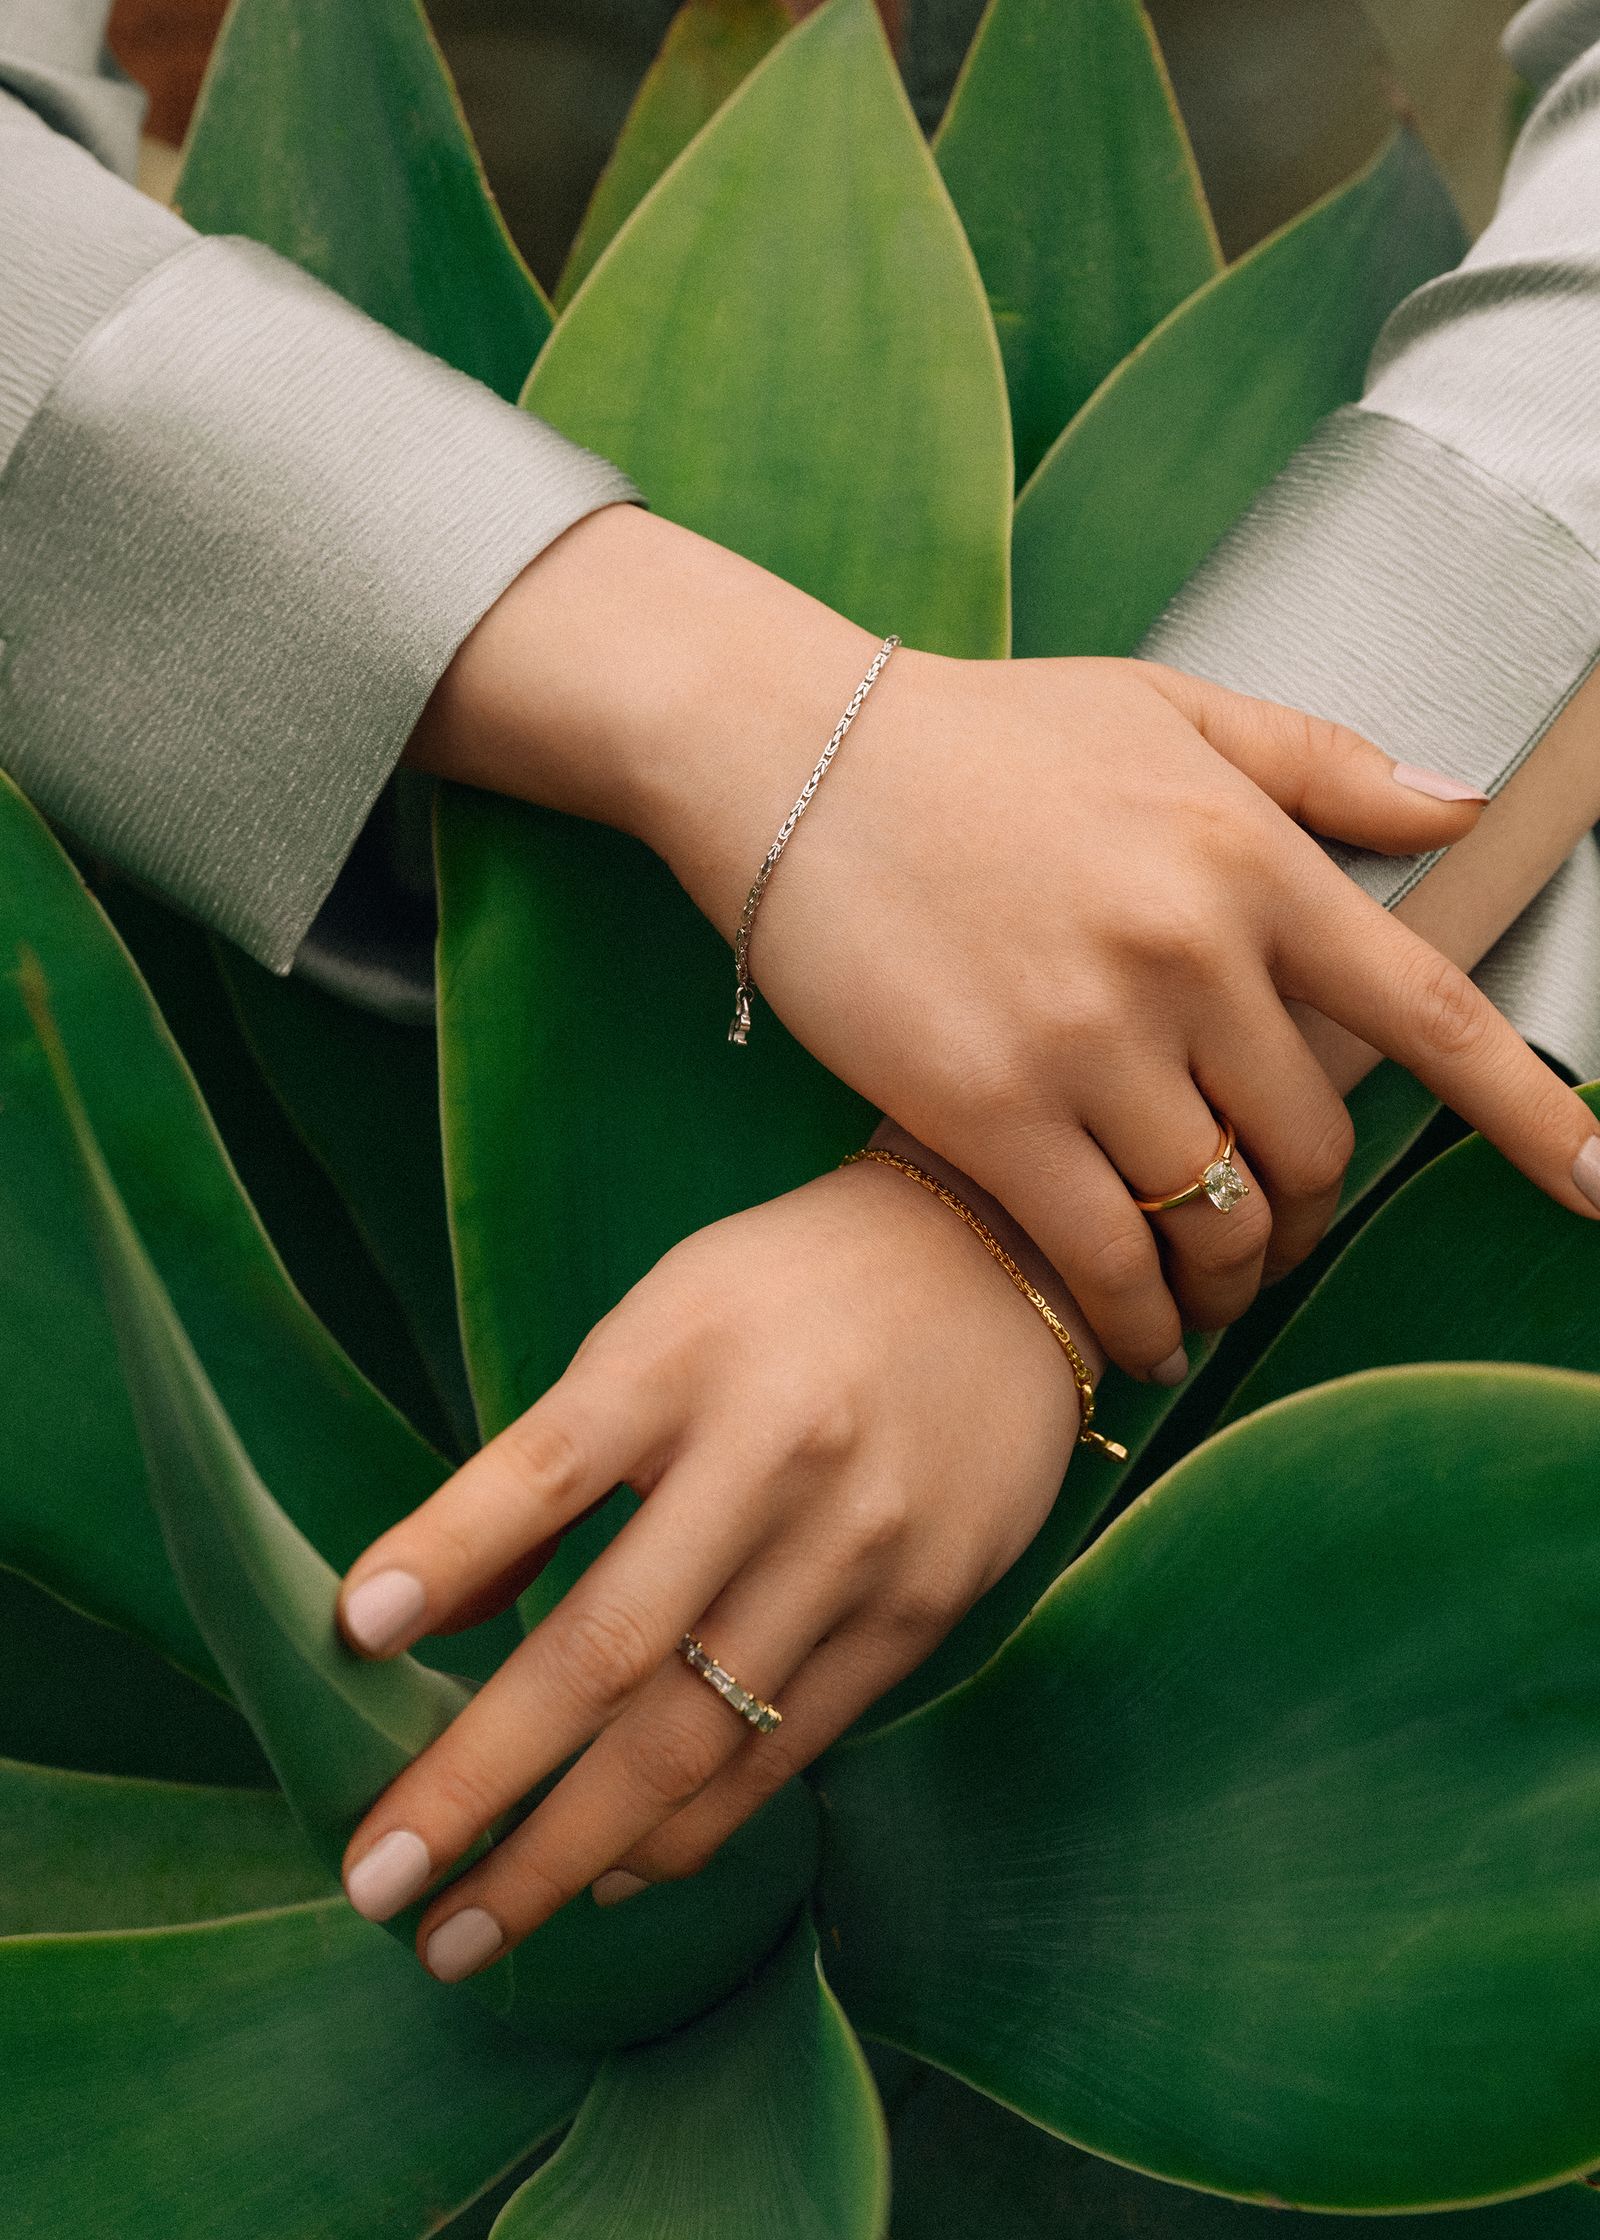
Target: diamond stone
x,y
1224,1185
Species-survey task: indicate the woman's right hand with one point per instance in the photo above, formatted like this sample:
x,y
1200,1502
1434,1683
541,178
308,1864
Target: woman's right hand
x,y
1046,913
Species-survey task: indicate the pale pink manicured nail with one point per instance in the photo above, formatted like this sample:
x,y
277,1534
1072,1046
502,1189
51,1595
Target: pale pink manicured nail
x,y
1415,779
388,1876
462,1944
1173,1370
610,1888
384,1610
1586,1170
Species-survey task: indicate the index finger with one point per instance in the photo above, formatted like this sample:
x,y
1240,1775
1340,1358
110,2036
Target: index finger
x,y
1356,963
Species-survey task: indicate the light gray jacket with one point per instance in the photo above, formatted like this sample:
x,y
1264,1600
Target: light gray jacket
x,y
227,585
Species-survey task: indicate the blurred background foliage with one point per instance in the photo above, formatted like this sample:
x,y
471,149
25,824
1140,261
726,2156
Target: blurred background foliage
x,y
1283,98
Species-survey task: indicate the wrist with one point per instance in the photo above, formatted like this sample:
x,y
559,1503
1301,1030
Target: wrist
x,y
640,675
888,1135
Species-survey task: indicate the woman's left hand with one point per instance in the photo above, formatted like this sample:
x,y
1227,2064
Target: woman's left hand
x,y
844,1423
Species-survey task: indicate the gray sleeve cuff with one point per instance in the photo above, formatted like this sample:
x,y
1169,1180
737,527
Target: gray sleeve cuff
x,y
1389,583
1547,36
52,53
240,540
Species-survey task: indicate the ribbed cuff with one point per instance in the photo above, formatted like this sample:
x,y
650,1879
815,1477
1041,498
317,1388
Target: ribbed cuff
x,y
239,542
1386,582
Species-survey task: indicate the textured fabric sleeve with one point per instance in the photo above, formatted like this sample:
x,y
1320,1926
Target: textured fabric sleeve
x,y
1427,567
242,527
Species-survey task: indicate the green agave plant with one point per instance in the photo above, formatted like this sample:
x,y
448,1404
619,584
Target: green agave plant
x,y
1247,1842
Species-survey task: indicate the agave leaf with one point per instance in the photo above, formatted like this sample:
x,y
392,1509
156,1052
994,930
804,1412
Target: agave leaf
x,y
334,135
91,1698
73,1512
711,46
278,2074
1067,159
1389,1109
295,1199
1520,1285
963,2165
805,225
760,2118
1171,448
98,1851
1261,1857
338,1728
362,1091
806,228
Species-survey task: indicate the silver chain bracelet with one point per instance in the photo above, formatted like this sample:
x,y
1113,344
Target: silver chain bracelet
x,y
744,986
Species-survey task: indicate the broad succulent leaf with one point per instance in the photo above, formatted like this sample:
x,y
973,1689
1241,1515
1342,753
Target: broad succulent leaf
x,y
805,227
276,2074
338,1728
1520,1281
711,46
362,1091
1261,1857
964,2165
804,249
93,1699
93,1851
1173,445
73,1510
334,135
1067,159
760,2118
294,1196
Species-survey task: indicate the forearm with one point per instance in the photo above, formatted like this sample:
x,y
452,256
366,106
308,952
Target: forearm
x,y
639,675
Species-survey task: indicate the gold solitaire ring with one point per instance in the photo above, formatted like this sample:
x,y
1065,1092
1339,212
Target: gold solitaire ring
x,y
1221,1182
762,1716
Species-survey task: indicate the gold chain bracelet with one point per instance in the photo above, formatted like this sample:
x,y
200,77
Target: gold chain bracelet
x,y
1087,1435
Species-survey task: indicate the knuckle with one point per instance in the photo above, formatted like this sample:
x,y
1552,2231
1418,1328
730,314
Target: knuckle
x,y
1449,1014
1318,1167
1180,933
826,1427
671,1760
545,1449
1120,1264
871,1523
1240,1239
608,1652
465,1793
921,1609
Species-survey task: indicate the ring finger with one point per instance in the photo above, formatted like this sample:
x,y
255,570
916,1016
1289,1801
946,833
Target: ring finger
x,y
1161,1137
672,1739
1291,1120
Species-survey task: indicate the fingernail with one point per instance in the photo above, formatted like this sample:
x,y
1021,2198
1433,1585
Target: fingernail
x,y
611,1888
1173,1370
1586,1170
389,1875
461,1945
1415,779
384,1610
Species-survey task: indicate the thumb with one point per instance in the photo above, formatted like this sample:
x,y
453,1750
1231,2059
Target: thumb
x,y
1323,774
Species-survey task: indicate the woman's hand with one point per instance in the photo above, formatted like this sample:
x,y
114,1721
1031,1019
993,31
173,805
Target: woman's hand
x,y
845,1424
1047,913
